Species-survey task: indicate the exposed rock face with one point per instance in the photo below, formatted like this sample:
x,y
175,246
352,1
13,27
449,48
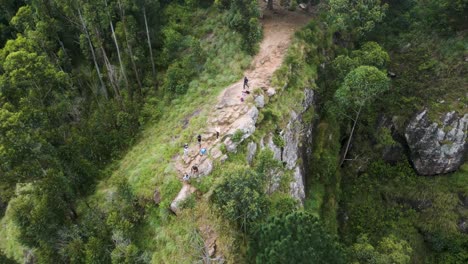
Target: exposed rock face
x,y
276,150
251,150
246,124
297,185
260,101
271,92
291,138
183,194
295,135
437,149
205,167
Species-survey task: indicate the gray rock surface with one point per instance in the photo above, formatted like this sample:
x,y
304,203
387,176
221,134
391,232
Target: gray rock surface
x,y
294,135
437,149
308,99
271,92
276,150
246,124
297,189
251,150
205,167
183,194
260,101
291,138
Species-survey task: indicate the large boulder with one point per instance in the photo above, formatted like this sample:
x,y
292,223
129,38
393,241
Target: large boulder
x,y
260,101
183,194
245,124
437,148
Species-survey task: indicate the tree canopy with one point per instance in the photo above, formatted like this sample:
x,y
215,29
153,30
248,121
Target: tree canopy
x,y
297,237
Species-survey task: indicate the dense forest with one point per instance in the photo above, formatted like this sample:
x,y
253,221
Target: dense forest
x,y
98,97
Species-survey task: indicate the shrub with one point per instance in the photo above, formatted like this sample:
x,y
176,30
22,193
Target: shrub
x,y
239,197
297,237
237,137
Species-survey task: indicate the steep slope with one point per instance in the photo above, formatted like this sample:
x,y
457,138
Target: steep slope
x,y
230,114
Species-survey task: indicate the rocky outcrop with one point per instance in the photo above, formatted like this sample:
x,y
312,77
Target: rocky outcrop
x,y
296,137
437,148
260,101
183,194
245,124
251,150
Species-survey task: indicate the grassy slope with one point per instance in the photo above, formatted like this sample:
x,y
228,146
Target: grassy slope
x,y
147,165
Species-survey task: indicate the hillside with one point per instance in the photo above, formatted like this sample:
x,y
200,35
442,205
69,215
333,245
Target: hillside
x,y
348,145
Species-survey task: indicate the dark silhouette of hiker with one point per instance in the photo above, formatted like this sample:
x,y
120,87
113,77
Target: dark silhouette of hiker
x,y
199,140
246,82
217,132
194,170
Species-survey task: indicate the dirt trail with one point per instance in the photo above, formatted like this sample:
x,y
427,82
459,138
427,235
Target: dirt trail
x,y
278,29
230,113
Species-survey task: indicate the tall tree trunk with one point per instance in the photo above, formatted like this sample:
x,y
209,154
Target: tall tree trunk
x,y
111,75
270,4
149,46
96,65
129,48
350,136
122,68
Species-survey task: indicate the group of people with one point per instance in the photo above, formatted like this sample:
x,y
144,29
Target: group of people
x,y
203,151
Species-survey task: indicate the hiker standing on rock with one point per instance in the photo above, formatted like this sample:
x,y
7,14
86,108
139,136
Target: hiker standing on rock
x,y
218,130
246,82
186,177
199,140
186,150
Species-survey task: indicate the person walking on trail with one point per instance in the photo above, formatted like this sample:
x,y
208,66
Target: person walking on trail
x,y
246,82
218,130
199,140
186,150
186,177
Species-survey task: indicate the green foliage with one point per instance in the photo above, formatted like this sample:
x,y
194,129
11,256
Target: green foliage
x,y
269,168
296,237
237,136
360,86
355,18
239,197
389,250
243,17
443,14
5,260
282,204
278,140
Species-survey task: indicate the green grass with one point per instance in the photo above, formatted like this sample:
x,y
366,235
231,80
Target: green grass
x,y
8,237
148,164
314,202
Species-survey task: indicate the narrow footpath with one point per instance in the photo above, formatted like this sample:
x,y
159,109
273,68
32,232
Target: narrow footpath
x,y
230,114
